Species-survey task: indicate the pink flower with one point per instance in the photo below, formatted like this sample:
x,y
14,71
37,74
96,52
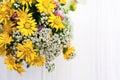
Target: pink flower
x,y
57,3
14,17
40,27
60,13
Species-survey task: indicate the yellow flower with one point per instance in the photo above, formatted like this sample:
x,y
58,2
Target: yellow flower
x,y
23,14
27,27
26,51
10,61
26,2
8,27
5,11
3,51
73,5
12,65
63,1
69,52
46,6
56,22
18,68
38,61
4,39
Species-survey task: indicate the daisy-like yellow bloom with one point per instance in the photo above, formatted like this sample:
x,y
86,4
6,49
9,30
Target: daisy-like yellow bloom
x,y
69,52
23,14
26,51
10,61
4,39
5,11
3,51
8,27
38,61
63,1
12,65
56,22
46,6
18,68
27,27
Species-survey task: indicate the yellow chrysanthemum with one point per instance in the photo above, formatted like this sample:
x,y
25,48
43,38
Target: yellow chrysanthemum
x,y
56,22
5,11
8,27
27,27
10,61
3,51
69,52
38,61
23,14
46,6
63,1
18,68
12,65
4,39
26,51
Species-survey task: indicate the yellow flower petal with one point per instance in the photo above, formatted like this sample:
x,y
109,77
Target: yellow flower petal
x,y
69,52
46,6
63,1
56,22
26,51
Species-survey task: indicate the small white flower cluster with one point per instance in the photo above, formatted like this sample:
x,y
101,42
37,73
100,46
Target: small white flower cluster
x,y
43,19
65,37
49,45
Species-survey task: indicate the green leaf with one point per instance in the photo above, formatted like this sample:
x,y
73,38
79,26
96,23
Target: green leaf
x,y
28,65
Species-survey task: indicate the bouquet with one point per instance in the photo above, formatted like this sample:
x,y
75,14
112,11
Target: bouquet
x,y
35,32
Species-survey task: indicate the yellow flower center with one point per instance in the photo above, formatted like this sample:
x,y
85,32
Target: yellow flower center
x,y
11,61
57,21
46,5
27,25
